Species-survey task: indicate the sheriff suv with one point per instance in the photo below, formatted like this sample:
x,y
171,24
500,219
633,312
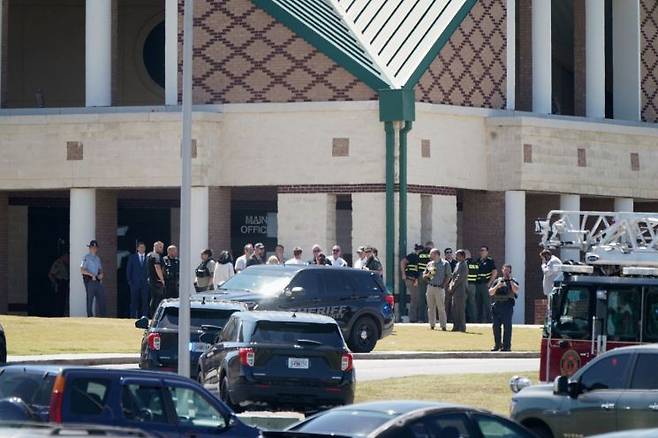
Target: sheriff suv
x,y
356,299
616,391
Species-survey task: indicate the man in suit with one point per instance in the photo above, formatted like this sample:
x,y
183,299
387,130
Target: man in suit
x,y
458,285
136,276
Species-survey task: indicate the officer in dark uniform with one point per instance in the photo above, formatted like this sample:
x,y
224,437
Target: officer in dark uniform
x,y
487,273
423,260
503,294
171,265
471,300
410,274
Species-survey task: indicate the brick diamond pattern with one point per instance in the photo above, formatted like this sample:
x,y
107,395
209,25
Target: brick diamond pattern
x,y
649,59
243,55
471,69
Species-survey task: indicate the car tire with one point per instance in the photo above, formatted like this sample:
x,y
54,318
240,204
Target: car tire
x,y
364,335
540,430
224,395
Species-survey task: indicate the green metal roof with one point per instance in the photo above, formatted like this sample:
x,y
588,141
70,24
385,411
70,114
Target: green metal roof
x,y
385,43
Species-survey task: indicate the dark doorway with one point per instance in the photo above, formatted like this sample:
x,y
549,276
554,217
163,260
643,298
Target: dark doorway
x,y
47,237
137,224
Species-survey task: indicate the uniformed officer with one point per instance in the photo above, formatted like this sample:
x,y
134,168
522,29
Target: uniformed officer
x,y
423,260
410,274
92,275
503,294
172,272
487,273
471,301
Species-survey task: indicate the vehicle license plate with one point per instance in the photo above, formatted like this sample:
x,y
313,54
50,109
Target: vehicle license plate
x,y
298,363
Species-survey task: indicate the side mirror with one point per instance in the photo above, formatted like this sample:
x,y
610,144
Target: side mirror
x,y
561,385
142,323
297,291
574,389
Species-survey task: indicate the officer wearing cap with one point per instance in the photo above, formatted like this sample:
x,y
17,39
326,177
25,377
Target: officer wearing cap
x,y
503,292
410,274
92,276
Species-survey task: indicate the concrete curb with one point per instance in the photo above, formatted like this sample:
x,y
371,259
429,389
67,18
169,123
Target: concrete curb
x,y
73,360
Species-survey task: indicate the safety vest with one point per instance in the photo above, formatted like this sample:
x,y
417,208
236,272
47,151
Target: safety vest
x,y
473,268
411,269
486,267
423,260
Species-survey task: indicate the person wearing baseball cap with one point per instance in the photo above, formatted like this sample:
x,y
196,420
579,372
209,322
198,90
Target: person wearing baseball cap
x,y
257,258
91,269
360,261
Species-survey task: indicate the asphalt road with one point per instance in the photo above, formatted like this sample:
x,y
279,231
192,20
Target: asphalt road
x,y
386,369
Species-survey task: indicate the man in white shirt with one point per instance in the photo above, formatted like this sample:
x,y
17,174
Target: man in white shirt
x,y
360,261
550,267
296,257
241,262
335,257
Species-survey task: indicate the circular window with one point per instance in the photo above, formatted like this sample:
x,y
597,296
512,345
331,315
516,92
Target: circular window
x,y
154,54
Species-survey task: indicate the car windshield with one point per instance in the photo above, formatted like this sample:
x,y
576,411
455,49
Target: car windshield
x,y
260,281
572,318
352,423
273,332
199,317
32,388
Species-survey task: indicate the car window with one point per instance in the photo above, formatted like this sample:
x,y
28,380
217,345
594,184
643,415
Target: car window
x,y
193,409
265,282
199,317
624,307
143,404
31,388
446,426
607,373
352,422
368,283
645,375
310,280
338,284
574,319
651,316
88,396
228,333
274,332
492,427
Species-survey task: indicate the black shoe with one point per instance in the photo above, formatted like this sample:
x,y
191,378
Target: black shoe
x,y
505,349
496,349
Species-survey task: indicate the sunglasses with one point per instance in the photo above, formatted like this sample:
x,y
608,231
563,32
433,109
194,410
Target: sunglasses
x,y
316,250
335,250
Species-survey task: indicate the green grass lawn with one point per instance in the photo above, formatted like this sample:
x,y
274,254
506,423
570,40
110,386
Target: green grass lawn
x,y
421,338
488,391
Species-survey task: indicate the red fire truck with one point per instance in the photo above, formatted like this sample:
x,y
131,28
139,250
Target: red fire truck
x,y
606,299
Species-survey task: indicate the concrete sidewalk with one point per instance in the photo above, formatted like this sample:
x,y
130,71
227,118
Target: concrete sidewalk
x,y
125,358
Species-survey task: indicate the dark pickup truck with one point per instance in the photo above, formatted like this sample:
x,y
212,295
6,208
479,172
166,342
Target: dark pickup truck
x,y
162,404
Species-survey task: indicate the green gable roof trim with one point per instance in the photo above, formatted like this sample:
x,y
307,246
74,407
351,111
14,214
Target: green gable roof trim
x,y
388,44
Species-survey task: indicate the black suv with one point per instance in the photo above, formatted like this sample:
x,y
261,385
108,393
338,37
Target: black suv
x,y
159,350
279,359
356,299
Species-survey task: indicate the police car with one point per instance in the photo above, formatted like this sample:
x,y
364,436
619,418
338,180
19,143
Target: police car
x,y
356,299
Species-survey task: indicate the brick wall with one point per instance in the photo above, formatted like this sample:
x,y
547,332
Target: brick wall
x,y
524,56
539,311
244,55
649,59
471,70
483,223
4,251
106,234
365,188
219,219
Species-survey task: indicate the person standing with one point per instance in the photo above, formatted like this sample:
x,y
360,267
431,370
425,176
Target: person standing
x,y
136,276
437,274
372,262
471,300
92,275
155,277
316,250
410,274
487,273
241,262
278,253
423,260
335,258
458,284
204,273
59,278
450,258
503,294
171,265
360,261
257,258
296,257
551,268
223,269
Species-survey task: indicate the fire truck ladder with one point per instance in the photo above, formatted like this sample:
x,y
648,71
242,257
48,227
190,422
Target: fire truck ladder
x,y
606,238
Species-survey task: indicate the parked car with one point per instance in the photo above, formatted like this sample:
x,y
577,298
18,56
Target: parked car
x,y
163,404
3,346
404,419
280,360
28,430
25,392
616,391
356,299
159,349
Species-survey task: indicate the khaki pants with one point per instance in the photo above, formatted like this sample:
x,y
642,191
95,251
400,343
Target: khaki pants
x,y
414,298
436,299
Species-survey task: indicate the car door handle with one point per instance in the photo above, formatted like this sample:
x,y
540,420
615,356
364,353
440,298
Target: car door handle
x,y
653,407
607,406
